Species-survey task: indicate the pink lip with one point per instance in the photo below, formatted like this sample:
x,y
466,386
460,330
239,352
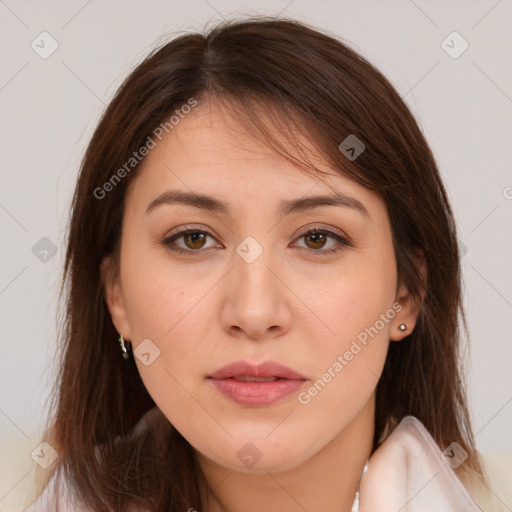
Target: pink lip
x,y
266,369
257,394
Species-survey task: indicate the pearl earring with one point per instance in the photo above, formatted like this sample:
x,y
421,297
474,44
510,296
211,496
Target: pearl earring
x,y
402,327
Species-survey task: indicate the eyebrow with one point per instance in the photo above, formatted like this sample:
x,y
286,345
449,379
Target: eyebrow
x,y
286,207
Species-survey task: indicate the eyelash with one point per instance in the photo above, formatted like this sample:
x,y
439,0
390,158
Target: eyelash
x,y
342,242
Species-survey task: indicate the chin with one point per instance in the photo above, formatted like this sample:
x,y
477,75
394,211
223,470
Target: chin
x,y
259,455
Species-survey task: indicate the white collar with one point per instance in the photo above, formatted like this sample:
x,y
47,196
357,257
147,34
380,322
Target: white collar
x,y
408,473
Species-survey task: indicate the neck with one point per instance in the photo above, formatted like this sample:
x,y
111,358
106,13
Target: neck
x,y
327,481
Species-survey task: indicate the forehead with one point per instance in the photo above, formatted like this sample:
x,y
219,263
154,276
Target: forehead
x,y
210,152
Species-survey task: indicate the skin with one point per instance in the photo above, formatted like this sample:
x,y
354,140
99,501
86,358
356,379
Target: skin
x,y
300,309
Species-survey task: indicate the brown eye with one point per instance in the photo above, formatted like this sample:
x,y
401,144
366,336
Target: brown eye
x,y
317,240
190,241
194,239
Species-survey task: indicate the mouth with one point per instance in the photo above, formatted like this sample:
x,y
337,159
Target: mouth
x,y
256,385
252,378
266,370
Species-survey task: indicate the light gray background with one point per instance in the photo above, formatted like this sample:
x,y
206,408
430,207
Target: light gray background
x,y
50,107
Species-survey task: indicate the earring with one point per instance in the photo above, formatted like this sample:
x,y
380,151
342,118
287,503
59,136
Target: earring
x,y
124,349
402,327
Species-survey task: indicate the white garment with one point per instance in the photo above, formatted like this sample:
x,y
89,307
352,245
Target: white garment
x,y
407,473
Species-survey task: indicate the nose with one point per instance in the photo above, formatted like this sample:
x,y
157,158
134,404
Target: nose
x,y
258,301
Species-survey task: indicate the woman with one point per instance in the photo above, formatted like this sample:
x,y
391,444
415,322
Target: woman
x,y
259,228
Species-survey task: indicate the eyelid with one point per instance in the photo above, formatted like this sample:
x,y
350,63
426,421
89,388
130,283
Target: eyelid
x,y
179,232
342,241
182,229
320,227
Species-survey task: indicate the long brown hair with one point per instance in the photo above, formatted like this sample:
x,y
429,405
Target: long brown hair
x,y
269,72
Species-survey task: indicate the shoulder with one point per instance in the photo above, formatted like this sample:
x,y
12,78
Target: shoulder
x,y
409,468
494,494
58,494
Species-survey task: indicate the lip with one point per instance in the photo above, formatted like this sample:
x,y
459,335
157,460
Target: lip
x,y
266,369
257,394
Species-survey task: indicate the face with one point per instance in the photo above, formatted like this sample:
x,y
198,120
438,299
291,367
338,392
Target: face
x,y
254,280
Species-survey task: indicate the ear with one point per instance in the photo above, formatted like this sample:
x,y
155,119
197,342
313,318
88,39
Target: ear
x,y
114,300
410,307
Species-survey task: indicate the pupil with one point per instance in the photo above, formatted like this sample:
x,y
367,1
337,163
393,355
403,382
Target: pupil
x,y
195,237
318,238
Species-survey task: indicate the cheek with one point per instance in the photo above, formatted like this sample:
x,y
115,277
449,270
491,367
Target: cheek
x,y
358,309
160,304
158,297
348,366
172,309
351,298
